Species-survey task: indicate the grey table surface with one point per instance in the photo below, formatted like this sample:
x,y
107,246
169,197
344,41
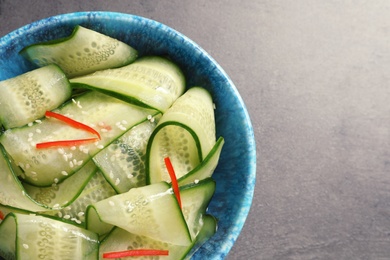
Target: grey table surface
x,y
315,78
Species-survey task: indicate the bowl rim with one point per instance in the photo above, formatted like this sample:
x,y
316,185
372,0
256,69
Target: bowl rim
x,y
242,215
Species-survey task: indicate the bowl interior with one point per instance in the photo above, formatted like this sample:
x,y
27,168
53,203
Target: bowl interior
x,y
236,172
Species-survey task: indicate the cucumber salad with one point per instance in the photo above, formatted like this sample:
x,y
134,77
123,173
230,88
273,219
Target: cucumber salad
x,y
104,154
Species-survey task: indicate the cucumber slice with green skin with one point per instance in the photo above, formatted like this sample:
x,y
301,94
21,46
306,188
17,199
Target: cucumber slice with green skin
x,y
21,195
151,81
26,97
206,168
208,230
97,189
83,52
37,237
185,133
65,193
109,116
195,198
120,240
151,211
123,161
12,192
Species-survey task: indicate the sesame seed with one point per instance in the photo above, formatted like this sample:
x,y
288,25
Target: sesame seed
x,y
67,217
64,173
33,173
30,134
73,148
29,139
149,117
85,150
30,124
80,162
100,146
117,181
71,165
111,203
38,121
65,157
124,122
56,180
74,101
196,181
129,176
59,214
111,175
25,246
104,130
80,214
28,166
61,151
56,206
38,131
78,221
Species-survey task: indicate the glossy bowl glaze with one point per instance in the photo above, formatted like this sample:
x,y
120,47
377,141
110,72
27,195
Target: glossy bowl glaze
x,y
236,172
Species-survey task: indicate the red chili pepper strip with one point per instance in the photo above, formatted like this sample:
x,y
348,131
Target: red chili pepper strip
x,y
175,185
135,252
65,143
1,215
72,122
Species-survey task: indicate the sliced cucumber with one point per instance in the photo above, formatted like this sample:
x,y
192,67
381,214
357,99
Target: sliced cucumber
x,y
185,133
65,193
123,161
12,192
120,240
195,198
109,116
83,52
151,81
97,189
206,168
26,97
150,211
23,196
37,237
208,230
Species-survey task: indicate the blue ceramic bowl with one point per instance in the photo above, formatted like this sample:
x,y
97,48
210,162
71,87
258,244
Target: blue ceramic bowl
x,y
236,172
